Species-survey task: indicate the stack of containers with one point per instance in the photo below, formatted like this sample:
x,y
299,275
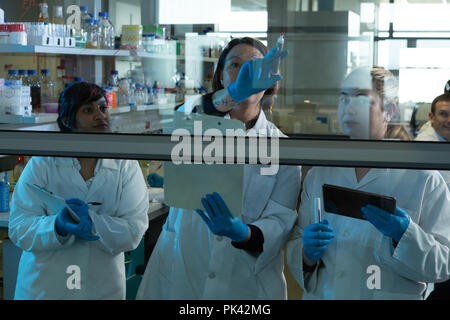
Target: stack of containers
x,y
132,37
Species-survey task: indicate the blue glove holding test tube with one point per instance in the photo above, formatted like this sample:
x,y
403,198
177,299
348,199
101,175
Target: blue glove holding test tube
x,y
258,75
316,238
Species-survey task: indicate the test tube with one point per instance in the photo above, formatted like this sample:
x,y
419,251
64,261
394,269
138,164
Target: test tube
x,y
317,211
280,44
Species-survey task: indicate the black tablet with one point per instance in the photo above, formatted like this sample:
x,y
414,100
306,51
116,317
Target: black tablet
x,y
348,202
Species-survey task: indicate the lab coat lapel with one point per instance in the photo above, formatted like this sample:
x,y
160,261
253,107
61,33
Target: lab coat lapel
x,y
72,169
102,169
372,175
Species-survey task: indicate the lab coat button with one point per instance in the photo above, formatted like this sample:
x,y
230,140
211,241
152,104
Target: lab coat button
x,y
346,233
212,275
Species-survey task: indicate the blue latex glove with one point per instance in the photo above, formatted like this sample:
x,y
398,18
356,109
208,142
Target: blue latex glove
x,y
256,76
219,219
155,180
390,225
316,238
64,223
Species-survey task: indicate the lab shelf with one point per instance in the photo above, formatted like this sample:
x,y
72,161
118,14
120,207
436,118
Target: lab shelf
x,y
62,50
97,52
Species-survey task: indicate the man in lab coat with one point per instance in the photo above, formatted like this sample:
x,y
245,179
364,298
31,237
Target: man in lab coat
x,y
383,256
438,129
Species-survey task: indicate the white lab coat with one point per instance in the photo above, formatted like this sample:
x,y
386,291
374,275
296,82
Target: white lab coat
x,y
422,255
190,262
120,222
428,133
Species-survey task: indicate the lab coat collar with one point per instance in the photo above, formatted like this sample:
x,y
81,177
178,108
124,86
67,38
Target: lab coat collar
x,y
261,124
70,162
373,174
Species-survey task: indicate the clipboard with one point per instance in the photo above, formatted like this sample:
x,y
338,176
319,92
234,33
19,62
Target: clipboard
x,y
348,202
185,184
53,201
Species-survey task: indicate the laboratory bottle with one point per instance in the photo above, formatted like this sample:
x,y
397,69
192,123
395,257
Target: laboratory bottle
x,y
140,96
112,33
23,75
4,193
92,34
105,30
13,74
114,79
35,88
47,89
58,17
79,34
58,22
60,84
18,168
150,97
132,95
68,80
43,14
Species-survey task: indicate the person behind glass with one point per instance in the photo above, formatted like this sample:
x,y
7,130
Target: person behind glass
x,y
383,256
209,254
63,259
438,128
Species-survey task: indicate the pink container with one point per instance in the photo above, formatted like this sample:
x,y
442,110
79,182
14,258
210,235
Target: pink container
x,y
51,108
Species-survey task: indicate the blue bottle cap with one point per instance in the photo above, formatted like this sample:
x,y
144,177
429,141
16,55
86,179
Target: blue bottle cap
x,y
45,71
13,72
32,72
84,8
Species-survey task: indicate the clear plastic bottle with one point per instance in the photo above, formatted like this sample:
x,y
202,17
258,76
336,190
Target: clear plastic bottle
x,y
35,84
106,30
58,22
132,95
114,79
140,95
47,90
79,34
60,84
91,34
23,75
4,193
43,14
58,17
